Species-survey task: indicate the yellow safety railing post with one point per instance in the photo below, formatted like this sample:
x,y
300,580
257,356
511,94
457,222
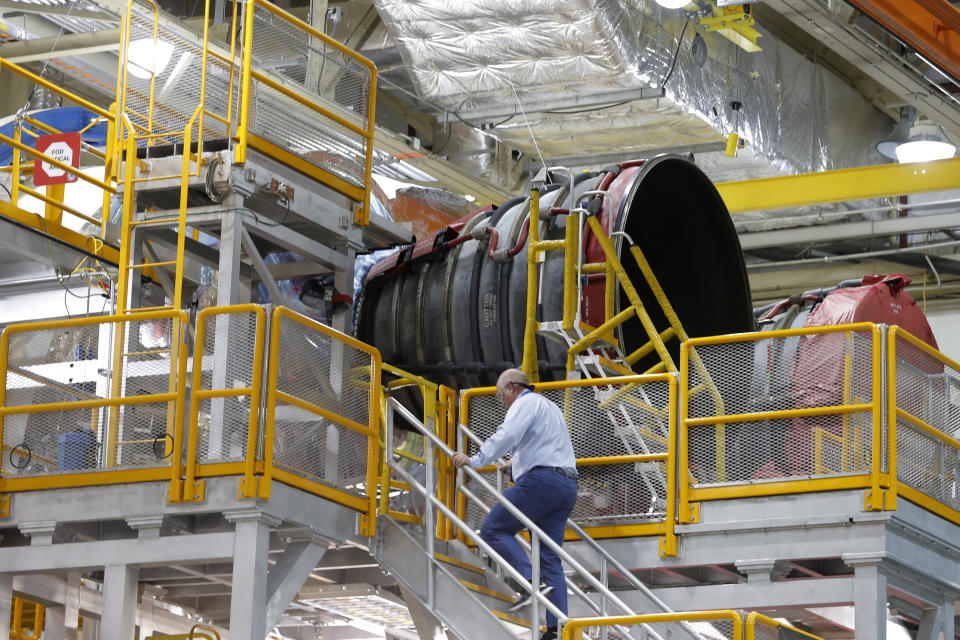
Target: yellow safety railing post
x,y
685,514
571,252
15,186
668,544
263,490
363,214
256,386
190,486
530,365
890,501
243,123
368,524
874,500
178,385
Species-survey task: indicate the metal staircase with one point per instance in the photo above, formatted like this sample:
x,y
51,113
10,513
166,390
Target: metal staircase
x,y
455,583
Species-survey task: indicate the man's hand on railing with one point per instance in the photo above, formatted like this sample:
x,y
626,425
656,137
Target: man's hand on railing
x,y
460,459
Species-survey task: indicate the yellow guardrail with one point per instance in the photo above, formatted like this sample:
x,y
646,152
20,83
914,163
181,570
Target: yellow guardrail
x,y
407,450
761,627
728,624
623,391
233,342
306,97
844,360
107,448
923,450
282,389
54,196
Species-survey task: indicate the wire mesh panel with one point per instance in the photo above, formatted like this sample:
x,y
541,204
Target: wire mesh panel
x,y
288,60
229,358
649,627
798,402
59,379
927,390
605,421
322,429
165,80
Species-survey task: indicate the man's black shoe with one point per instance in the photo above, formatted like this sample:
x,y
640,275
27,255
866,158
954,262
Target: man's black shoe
x,y
549,634
525,598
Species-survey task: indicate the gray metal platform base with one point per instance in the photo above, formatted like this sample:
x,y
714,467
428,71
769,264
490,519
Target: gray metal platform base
x,y
819,559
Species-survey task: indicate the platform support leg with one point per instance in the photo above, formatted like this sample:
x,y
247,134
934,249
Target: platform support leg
x,y
869,596
248,599
119,602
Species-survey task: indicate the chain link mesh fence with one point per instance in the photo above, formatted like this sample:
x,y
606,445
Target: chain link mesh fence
x,y
332,376
927,389
604,421
228,357
781,374
65,365
323,75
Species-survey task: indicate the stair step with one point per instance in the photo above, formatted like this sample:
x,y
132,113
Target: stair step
x,y
512,619
460,563
487,592
554,331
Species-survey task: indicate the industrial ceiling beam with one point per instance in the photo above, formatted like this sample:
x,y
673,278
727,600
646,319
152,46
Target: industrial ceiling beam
x,y
71,44
840,185
932,27
848,231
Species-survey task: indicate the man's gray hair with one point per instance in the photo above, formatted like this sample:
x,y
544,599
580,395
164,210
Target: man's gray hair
x,y
514,375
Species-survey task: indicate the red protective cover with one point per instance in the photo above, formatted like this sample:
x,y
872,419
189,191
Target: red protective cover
x,y
818,377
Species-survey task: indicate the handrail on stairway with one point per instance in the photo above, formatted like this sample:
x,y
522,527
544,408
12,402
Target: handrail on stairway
x,y
537,536
605,557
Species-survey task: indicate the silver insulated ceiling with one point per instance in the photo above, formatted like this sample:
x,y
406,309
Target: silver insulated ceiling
x,y
520,68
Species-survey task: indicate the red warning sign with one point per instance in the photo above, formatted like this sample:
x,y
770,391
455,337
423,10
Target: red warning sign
x,y
64,147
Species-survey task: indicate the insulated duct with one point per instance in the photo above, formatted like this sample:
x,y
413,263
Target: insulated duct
x,y
510,56
452,306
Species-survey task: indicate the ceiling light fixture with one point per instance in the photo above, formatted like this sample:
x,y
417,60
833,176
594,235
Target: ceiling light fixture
x,y
673,4
926,143
146,57
900,134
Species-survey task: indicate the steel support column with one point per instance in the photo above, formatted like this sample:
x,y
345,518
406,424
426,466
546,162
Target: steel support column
x,y
869,596
248,599
119,602
228,293
929,624
6,603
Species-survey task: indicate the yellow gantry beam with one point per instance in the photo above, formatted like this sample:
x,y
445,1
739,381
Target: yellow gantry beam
x,y
840,185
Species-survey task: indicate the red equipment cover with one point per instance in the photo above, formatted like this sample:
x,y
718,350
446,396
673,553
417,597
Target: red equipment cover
x,y
818,375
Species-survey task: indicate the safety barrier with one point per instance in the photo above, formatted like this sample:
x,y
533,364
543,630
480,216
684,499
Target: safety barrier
x,y
800,412
924,421
92,400
308,101
322,413
27,128
396,497
224,434
103,400
710,625
621,430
